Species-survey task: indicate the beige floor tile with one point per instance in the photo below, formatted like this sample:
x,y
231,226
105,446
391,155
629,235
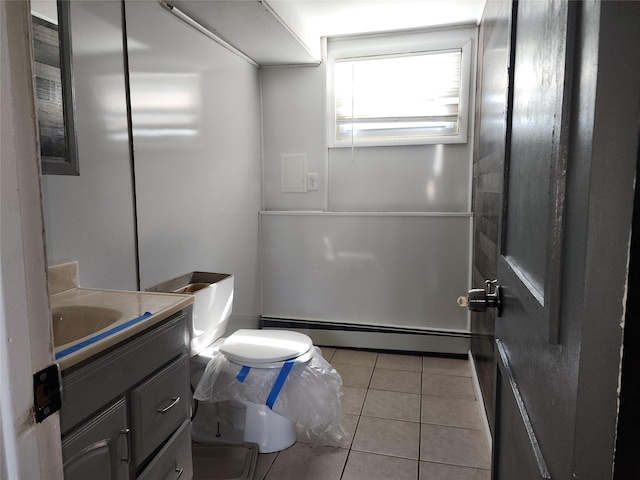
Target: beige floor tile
x,y
265,460
396,380
387,437
354,375
439,471
353,399
368,466
393,405
302,461
350,424
447,386
446,366
383,408
327,353
454,412
355,357
392,361
456,446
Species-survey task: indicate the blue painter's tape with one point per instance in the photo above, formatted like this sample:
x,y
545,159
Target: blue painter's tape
x,y
100,336
244,371
282,377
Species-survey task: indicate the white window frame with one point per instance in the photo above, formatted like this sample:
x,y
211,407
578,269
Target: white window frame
x,y
402,43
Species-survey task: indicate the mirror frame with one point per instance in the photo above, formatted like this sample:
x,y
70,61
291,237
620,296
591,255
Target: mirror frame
x,y
69,164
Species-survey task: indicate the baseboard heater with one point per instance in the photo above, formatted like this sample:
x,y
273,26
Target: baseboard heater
x,y
376,337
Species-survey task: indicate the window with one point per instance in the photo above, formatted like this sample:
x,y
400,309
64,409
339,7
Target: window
x,y
382,91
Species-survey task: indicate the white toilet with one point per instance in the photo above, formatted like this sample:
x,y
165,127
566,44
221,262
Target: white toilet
x,y
244,421
237,421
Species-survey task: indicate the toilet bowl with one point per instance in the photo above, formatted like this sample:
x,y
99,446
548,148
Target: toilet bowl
x,y
245,421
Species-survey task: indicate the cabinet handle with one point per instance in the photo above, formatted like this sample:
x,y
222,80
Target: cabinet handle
x,y
126,432
174,402
179,471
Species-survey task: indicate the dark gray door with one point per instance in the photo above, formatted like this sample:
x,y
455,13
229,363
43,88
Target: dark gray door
x,y
568,193
531,246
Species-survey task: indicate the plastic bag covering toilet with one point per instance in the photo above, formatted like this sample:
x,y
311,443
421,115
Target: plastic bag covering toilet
x,y
309,397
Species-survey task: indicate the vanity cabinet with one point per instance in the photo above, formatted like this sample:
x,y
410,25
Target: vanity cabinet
x,y
126,413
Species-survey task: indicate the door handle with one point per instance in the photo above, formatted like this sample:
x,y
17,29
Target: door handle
x,y
127,433
479,299
174,402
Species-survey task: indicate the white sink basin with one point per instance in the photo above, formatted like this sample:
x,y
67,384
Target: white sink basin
x,y
73,322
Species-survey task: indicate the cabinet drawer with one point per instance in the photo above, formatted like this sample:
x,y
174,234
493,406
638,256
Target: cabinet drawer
x,y
159,406
174,460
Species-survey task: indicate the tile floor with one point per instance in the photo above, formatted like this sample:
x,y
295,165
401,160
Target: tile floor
x,y
411,418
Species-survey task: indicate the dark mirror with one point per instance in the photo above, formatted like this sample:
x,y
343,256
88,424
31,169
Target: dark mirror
x,y
55,104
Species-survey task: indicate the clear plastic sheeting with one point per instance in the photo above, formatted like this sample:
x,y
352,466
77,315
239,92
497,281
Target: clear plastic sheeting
x,y
310,396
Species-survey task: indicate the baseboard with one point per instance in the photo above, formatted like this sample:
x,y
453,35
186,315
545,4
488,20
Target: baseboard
x,y
332,334
480,402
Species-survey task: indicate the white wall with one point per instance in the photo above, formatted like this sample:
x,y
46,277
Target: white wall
x,y
196,134
293,122
395,270
420,178
89,218
196,122
196,114
365,194
425,178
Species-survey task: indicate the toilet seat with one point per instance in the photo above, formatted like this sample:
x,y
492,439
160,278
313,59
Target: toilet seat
x,y
266,348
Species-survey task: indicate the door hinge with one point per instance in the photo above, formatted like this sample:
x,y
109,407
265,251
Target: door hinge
x,y
47,392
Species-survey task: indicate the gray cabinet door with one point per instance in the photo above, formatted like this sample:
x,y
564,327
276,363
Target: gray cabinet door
x,y
98,449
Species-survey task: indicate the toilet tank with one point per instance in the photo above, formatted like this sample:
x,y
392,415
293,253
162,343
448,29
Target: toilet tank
x,y
213,302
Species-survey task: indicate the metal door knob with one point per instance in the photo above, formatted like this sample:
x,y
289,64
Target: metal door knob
x,y
479,299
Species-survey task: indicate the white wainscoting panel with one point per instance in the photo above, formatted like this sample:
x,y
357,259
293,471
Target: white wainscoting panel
x,y
395,270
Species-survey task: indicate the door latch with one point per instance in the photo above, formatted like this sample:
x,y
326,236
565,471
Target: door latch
x,y
479,299
47,392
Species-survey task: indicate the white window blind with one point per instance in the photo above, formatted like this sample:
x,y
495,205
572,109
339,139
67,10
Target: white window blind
x,y
405,96
414,95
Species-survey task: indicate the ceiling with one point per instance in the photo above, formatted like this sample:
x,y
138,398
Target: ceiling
x,y
343,17
281,32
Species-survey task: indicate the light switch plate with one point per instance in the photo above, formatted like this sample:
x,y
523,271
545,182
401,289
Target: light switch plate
x,y
312,181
